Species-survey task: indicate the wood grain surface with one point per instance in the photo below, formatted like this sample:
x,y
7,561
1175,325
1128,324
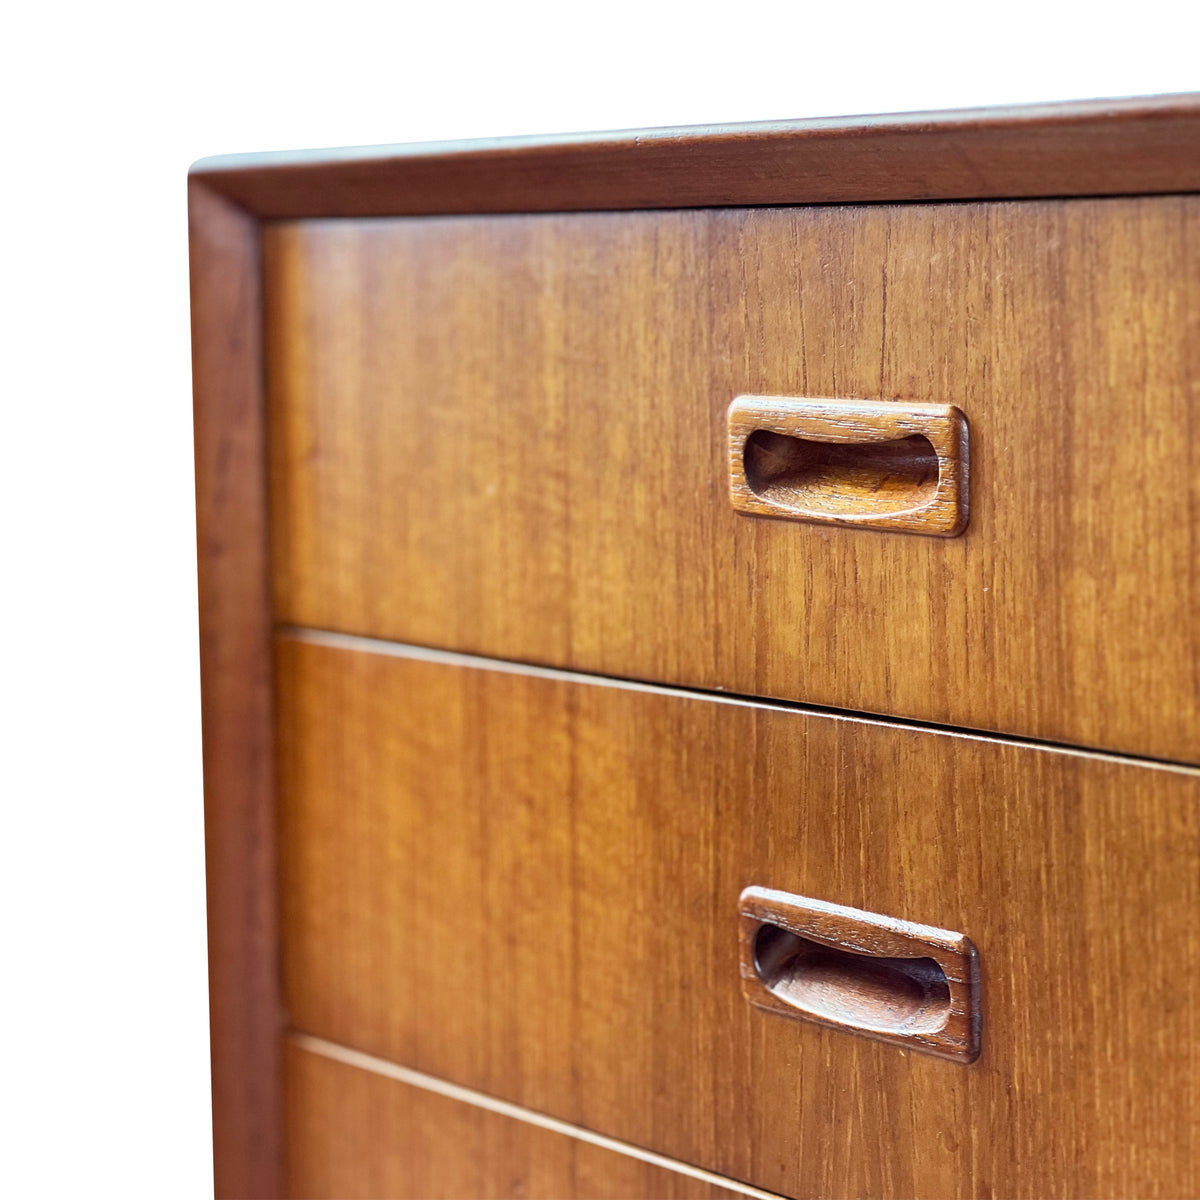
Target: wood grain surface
x,y
529,885
1106,147
507,435
356,1134
245,1007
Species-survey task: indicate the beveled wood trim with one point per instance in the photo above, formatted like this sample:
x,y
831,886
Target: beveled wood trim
x,y
1094,148
237,707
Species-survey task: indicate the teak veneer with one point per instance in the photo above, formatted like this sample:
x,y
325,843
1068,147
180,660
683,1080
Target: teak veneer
x,y
528,415
474,925
531,886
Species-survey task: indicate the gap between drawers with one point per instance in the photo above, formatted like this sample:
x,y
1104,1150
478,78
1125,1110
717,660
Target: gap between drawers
x,y
479,662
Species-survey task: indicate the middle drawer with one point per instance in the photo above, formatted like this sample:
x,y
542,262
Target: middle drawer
x,y
528,883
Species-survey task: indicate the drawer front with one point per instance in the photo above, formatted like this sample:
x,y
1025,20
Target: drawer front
x,y
355,1133
507,435
528,884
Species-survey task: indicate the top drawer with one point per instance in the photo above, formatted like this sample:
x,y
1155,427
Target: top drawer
x,y
506,435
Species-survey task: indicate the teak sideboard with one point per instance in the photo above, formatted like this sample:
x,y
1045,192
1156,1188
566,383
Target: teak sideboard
x,y
701,660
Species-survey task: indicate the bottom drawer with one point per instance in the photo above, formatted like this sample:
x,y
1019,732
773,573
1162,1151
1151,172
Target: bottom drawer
x,y
528,884
353,1132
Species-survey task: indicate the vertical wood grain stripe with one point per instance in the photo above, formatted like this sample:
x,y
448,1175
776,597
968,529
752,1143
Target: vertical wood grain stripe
x,y
440,1087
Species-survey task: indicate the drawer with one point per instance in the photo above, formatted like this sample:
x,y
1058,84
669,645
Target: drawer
x,y
527,883
360,1132
506,435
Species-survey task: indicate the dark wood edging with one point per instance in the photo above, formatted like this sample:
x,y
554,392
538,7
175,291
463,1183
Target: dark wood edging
x,y
237,703
1095,148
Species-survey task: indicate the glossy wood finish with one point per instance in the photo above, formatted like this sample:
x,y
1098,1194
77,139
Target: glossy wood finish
x,y
1075,326
529,885
1111,147
869,464
236,711
508,435
354,1133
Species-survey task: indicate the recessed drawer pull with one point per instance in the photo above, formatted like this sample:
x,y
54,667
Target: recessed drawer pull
x,y
888,979
881,464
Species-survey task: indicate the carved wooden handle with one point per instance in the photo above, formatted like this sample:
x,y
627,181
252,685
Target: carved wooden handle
x,y
880,464
888,979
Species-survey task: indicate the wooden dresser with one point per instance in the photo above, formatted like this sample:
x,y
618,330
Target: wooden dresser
x,y
701,660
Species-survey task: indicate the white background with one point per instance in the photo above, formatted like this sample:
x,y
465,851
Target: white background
x,y
103,1072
